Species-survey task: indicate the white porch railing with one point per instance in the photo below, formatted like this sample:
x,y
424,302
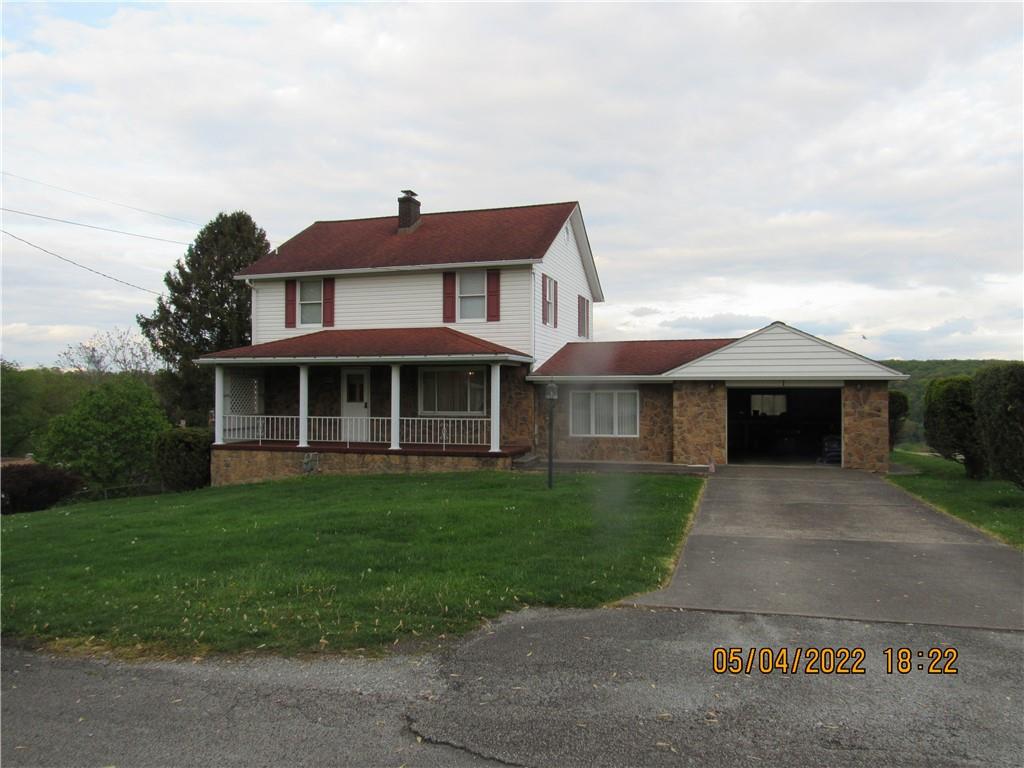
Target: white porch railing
x,y
445,430
440,430
350,429
246,427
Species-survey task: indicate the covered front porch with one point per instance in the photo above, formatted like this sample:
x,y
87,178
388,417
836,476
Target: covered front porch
x,y
377,400
395,407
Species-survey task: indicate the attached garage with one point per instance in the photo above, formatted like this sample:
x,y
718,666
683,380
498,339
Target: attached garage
x,y
776,395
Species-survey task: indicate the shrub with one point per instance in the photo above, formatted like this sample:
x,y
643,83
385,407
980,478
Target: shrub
x,y
899,407
999,410
183,458
949,423
107,437
30,487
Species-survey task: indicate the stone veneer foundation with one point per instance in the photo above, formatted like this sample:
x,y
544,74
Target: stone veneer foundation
x,y
232,465
699,422
866,425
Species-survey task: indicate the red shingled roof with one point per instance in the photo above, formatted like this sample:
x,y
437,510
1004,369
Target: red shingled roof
x,y
456,237
626,358
375,342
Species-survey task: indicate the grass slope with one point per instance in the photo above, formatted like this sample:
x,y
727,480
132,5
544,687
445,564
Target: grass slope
x,y
993,505
335,562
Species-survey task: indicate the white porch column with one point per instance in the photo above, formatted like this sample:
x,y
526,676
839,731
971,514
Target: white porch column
x,y
495,407
218,405
303,406
396,401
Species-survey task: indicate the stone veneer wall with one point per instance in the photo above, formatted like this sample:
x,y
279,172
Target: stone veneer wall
x,y
234,466
866,425
653,445
699,422
518,414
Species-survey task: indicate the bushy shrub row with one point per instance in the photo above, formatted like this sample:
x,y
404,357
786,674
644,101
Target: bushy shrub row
x,y
980,421
183,458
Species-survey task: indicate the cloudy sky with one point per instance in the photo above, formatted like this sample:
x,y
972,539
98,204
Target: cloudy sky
x,y
854,170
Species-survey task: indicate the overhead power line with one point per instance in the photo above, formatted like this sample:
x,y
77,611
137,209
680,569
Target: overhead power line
x,y
100,199
92,226
80,266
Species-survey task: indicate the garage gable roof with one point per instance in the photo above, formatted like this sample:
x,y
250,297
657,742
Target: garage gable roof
x,y
781,352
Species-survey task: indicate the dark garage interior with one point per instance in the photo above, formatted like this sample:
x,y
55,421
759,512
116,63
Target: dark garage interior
x,y
789,424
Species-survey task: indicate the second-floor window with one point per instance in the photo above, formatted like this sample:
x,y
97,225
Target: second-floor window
x,y
583,330
472,295
549,301
311,302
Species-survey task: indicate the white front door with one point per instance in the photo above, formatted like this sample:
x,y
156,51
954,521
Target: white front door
x,y
355,405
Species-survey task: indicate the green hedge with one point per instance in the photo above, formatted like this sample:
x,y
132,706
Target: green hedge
x,y
183,458
950,424
999,412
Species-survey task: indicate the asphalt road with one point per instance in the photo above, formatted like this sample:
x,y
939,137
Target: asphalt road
x,y
820,541
623,686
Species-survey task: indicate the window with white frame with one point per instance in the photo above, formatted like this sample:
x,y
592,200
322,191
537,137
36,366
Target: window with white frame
x,y
548,297
453,391
584,318
311,302
604,413
472,294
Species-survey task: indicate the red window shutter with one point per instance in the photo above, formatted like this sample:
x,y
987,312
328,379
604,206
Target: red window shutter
x,y
328,302
544,299
580,316
493,295
448,297
554,301
289,303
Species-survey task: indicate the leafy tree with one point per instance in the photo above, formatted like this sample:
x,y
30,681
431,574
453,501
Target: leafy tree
x,y
29,398
108,436
999,410
899,406
950,424
116,351
206,310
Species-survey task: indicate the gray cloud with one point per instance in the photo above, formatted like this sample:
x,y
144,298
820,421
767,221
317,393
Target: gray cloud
x,y
755,160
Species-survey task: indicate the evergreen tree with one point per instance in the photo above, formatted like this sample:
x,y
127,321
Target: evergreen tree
x,y
205,311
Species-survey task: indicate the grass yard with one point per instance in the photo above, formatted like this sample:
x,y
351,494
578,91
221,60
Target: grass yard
x,y
993,505
329,563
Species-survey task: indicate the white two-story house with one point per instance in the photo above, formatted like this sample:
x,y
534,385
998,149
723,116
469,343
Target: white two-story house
x,y
408,336
419,342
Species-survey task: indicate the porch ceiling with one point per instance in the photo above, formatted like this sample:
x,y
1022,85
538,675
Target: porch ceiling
x,y
370,345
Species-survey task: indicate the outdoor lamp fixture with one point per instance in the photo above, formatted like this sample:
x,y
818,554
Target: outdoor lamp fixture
x,y
551,395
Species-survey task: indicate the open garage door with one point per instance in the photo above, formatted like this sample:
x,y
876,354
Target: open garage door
x,y
785,424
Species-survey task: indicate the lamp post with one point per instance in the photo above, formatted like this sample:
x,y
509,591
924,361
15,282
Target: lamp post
x,y
551,395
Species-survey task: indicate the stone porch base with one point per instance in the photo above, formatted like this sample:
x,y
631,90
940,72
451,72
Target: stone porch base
x,y
251,463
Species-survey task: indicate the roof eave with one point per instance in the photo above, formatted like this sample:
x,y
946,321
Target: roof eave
x,y
364,359
379,270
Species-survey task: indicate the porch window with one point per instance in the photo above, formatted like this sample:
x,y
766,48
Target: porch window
x,y
604,413
453,391
311,302
472,295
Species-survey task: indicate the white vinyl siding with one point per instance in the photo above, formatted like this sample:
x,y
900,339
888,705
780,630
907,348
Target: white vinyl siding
x,y
563,264
604,413
781,353
401,300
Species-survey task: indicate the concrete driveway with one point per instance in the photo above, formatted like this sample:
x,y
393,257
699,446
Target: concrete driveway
x,y
820,541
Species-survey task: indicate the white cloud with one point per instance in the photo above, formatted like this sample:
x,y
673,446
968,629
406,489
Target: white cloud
x,y
852,167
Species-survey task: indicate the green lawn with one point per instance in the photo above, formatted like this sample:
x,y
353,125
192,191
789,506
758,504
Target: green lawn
x,y
993,505
334,562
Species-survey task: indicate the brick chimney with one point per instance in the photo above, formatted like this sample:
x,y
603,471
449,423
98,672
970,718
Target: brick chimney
x,y
408,211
